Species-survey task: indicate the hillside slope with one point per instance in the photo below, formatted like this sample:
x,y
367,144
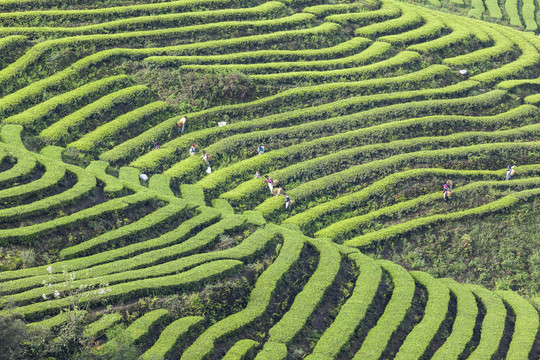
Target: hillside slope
x,y
364,109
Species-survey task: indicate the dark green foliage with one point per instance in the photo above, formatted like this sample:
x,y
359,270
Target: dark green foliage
x,y
193,91
364,109
500,250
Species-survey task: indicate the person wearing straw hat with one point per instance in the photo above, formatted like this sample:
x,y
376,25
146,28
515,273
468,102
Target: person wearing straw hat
x,y
182,124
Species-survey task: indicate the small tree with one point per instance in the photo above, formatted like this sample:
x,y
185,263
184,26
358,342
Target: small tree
x,y
18,341
12,337
122,348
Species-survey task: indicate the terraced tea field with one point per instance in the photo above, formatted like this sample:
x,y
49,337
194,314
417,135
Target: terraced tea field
x,y
522,15
364,108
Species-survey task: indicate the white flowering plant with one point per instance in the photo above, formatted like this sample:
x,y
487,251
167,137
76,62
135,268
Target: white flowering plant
x,y
78,294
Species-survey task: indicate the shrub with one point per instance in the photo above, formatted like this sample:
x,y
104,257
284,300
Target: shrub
x,y
259,298
394,314
492,325
170,337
